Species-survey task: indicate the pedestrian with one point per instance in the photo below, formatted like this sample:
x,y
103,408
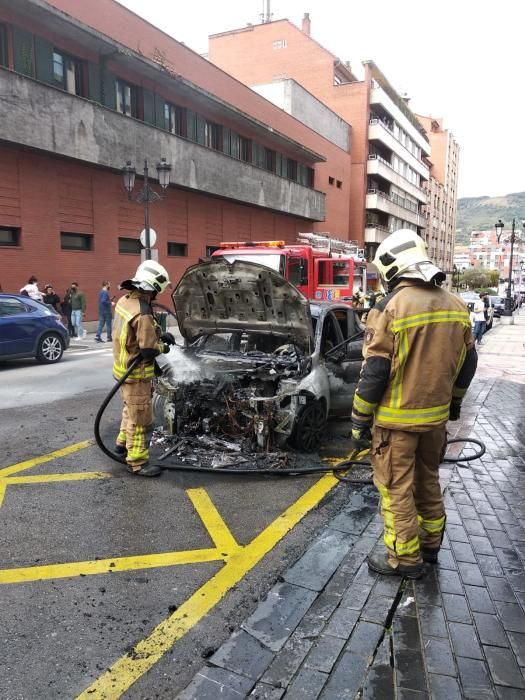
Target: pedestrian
x,y
137,334
31,289
479,320
419,361
51,298
78,309
66,312
104,312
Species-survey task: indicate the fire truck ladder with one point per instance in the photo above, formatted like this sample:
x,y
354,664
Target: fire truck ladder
x,y
331,245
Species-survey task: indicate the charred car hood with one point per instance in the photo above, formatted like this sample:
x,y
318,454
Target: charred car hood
x,y
219,296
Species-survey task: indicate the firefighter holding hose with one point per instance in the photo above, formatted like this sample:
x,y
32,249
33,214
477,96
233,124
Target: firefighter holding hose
x,y
137,334
419,359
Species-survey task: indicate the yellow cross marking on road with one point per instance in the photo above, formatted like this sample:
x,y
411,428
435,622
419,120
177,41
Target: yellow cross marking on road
x,y
238,561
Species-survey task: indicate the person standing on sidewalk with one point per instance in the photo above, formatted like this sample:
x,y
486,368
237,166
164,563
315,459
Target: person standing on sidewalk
x,y
137,334
104,312
480,322
419,361
78,309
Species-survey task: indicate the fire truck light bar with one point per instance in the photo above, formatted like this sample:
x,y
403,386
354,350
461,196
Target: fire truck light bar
x,y
252,244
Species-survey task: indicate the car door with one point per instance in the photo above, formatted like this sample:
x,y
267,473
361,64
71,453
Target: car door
x,y
18,327
344,364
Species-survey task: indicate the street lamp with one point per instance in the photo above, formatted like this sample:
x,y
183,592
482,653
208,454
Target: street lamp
x,y
146,194
455,277
508,299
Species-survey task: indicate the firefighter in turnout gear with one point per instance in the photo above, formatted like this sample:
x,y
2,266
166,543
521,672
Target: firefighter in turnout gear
x,y
419,359
135,332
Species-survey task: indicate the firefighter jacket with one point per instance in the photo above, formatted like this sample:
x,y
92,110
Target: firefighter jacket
x,y
135,332
419,353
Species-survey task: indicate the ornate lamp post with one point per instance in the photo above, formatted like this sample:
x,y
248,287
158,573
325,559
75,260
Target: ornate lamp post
x,y
507,313
146,195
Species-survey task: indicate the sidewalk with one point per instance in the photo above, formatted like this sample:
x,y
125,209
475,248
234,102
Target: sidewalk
x,y
332,630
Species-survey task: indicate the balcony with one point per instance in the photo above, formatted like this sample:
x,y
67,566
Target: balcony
x,y
375,233
35,115
382,168
379,97
395,206
379,131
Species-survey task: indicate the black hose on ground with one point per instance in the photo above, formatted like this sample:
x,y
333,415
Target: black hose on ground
x,y
336,469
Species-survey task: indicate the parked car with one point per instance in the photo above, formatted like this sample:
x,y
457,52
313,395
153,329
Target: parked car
x,y
498,304
261,364
470,298
29,328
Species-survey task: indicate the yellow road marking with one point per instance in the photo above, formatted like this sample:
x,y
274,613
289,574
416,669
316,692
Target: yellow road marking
x,y
104,566
51,478
2,492
21,466
213,522
129,668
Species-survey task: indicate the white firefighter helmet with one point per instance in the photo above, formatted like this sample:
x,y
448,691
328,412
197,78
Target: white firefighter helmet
x,y
151,276
404,254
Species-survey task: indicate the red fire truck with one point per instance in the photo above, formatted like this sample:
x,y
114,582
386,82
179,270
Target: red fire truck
x,y
321,267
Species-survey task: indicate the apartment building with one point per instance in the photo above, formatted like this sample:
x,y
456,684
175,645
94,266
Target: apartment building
x,y
487,252
442,194
389,145
88,86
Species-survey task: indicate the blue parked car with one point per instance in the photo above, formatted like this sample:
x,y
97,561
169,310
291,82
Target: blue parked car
x,y
29,328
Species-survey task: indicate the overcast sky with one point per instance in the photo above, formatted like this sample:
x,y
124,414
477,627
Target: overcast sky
x,y
463,60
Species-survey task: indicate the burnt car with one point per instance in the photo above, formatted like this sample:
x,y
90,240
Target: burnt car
x,y
260,364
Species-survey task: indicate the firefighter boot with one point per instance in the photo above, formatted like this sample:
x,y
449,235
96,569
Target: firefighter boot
x,y
145,469
380,564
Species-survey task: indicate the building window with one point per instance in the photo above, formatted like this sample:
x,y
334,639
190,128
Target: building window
x,y
210,249
291,169
245,149
269,159
174,119
339,184
9,236
331,180
213,135
127,99
279,44
177,249
67,73
3,46
76,241
129,245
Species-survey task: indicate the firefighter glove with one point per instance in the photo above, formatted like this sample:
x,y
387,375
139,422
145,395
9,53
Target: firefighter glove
x,y
361,433
455,409
168,338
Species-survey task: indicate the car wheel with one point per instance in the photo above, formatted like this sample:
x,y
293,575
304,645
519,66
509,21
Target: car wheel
x,y
50,349
310,427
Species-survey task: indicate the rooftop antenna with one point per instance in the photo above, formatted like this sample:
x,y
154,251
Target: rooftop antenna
x,y
266,14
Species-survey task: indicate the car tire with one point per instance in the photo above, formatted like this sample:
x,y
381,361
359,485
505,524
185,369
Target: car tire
x,y
50,349
310,427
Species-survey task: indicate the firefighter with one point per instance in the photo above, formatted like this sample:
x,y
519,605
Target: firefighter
x,y
135,332
419,361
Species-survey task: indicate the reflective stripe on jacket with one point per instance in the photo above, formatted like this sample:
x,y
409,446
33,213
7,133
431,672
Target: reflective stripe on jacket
x,y
419,353
135,331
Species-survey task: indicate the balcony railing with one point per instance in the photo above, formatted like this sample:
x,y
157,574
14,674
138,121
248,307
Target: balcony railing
x,y
386,163
380,227
396,199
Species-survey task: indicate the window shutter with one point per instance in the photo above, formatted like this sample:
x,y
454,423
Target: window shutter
x,y
160,119
109,96
192,126
94,87
226,147
43,60
201,127
149,106
23,51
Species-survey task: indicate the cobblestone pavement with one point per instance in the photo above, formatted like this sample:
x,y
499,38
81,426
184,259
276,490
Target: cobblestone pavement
x,y
332,630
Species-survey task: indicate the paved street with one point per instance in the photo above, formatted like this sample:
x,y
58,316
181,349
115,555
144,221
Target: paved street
x,y
114,587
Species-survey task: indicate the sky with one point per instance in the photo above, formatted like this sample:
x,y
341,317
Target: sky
x,y
463,60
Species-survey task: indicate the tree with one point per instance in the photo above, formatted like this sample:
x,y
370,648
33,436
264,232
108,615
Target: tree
x,y
476,277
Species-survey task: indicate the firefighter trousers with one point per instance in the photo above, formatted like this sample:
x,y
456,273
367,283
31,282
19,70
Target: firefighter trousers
x,y
137,421
406,474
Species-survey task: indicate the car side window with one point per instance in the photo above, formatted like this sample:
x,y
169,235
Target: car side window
x,y
12,307
329,337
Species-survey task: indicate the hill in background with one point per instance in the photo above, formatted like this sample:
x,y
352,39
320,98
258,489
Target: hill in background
x,y
481,213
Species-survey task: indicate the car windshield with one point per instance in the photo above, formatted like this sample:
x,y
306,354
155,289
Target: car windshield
x,y
497,300
271,260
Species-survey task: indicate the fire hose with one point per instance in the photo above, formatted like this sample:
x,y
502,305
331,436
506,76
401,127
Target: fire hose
x,y
337,469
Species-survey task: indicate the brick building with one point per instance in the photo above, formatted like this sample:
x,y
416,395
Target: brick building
x,y
442,193
389,145
86,87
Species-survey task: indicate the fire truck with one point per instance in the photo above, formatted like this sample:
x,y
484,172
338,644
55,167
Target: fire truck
x,y
321,267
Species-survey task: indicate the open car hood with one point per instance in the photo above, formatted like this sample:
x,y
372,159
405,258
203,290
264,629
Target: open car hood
x,y
219,296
